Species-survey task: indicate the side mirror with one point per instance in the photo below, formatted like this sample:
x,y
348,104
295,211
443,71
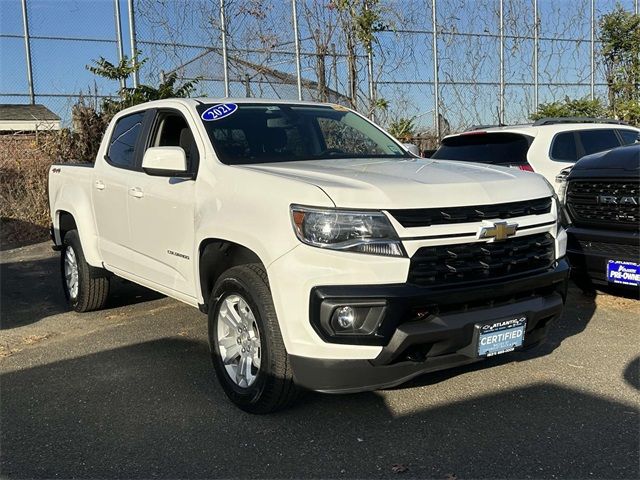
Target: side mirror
x,y
411,148
165,162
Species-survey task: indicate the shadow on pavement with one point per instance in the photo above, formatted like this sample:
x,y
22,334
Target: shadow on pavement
x,y
155,410
577,314
632,373
32,290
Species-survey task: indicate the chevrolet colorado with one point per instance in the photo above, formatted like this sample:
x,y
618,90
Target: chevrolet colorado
x,y
326,256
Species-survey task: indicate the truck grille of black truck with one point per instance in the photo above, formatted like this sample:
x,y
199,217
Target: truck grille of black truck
x,y
467,262
614,250
601,203
425,217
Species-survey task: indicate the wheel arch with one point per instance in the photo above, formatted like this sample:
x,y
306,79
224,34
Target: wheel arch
x,y
65,220
215,256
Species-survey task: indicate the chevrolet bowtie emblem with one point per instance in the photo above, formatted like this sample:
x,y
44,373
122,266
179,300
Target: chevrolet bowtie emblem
x,y
499,231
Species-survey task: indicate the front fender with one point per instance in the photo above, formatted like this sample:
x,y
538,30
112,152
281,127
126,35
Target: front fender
x,y
251,209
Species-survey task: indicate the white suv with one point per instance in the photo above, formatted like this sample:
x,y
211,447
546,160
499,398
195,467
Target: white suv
x,y
547,146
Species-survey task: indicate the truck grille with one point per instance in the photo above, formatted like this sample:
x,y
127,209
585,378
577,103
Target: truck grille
x,y
467,262
425,217
584,201
614,250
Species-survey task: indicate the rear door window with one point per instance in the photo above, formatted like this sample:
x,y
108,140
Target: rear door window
x,y
629,137
502,148
123,141
571,146
594,141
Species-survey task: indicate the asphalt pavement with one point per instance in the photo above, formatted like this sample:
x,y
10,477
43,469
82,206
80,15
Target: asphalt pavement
x,y
129,392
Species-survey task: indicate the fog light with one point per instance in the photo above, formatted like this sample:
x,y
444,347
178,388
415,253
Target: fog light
x,y
359,318
346,317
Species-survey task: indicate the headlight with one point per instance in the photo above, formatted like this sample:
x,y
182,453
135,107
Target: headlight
x,y
561,180
363,232
562,191
561,214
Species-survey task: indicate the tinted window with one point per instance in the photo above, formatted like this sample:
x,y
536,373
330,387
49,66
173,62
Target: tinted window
x,y
261,133
495,148
629,137
564,147
123,140
594,141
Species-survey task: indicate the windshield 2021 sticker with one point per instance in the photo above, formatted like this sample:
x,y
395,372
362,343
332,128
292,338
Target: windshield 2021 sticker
x,y
218,112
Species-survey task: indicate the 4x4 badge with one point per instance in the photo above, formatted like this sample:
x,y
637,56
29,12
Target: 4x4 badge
x,y
499,231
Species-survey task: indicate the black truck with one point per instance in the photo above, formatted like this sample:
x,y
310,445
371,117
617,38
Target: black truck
x,y
603,202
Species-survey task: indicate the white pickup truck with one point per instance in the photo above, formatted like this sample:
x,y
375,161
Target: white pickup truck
x,y
326,256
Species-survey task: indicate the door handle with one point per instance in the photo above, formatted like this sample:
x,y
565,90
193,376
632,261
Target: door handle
x,y
99,184
136,192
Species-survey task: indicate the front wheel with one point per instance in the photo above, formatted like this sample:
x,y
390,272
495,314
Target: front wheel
x,y
247,350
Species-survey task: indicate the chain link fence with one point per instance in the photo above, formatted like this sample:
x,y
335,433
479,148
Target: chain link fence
x,y
486,61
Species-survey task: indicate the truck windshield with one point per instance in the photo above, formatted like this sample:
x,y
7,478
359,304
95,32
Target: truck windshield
x,y
263,133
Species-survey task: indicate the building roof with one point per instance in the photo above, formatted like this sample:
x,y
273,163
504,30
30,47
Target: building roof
x,y
21,112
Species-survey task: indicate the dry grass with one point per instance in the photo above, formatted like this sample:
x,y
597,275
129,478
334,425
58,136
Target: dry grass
x,y
24,167
33,339
6,349
630,306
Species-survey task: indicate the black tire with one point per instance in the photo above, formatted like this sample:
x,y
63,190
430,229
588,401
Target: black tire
x,y
273,388
93,283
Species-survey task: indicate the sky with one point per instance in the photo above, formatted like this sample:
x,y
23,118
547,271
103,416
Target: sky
x,y
59,65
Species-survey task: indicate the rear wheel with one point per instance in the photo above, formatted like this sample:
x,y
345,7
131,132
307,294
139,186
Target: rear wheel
x,y
246,345
86,288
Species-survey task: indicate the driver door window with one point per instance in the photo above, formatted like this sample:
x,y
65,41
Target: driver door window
x,y
172,130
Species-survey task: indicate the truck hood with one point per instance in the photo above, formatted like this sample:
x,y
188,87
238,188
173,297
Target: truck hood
x,y
410,183
626,159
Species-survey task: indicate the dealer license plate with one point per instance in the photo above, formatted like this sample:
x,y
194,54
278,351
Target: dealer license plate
x,y
501,336
625,273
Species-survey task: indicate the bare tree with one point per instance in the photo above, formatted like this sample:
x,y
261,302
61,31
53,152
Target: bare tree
x,y
321,23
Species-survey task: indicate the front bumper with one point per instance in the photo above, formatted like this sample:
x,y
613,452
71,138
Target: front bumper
x,y
589,251
442,338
